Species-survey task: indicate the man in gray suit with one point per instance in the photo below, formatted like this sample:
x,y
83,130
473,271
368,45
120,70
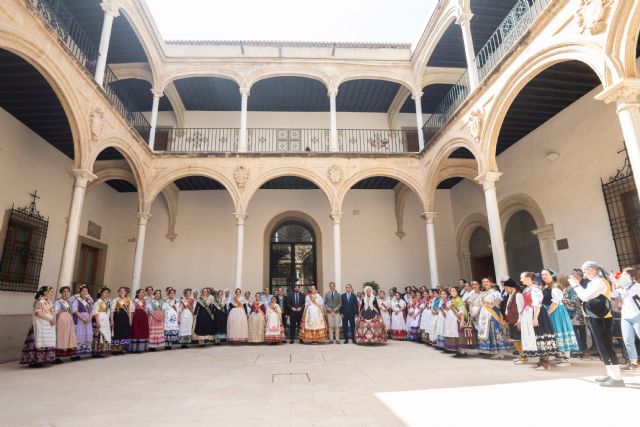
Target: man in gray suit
x,y
332,303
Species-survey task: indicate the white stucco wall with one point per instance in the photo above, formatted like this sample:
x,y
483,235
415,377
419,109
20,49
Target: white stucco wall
x,y
587,136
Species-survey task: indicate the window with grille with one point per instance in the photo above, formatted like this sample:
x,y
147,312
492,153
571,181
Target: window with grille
x,y
23,250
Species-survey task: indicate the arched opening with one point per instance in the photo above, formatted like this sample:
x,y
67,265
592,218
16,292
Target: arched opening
x,y
481,256
523,249
292,255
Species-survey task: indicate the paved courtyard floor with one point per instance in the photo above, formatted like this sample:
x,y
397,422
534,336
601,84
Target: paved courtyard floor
x,y
400,383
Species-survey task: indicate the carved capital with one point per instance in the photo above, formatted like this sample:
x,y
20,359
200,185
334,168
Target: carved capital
x,y
332,92
416,96
245,91
81,177
96,119
475,121
488,179
429,216
241,176
335,174
464,17
111,8
625,92
143,217
171,236
240,217
592,15
336,217
545,232
157,93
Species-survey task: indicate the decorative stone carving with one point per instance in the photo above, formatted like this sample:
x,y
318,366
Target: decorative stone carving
x,y
592,15
241,175
97,121
475,120
335,174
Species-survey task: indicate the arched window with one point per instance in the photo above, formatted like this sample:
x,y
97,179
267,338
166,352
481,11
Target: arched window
x,y
292,255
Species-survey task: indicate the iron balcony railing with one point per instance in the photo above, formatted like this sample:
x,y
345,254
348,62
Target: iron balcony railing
x,y
190,140
377,141
287,140
56,14
511,29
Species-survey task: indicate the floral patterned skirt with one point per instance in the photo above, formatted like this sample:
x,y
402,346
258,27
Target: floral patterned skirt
x,y
370,331
33,356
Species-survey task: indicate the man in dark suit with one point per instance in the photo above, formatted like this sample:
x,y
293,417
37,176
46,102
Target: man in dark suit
x,y
349,309
296,306
281,299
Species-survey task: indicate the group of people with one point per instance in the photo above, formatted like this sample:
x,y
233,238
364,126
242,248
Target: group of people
x,y
543,316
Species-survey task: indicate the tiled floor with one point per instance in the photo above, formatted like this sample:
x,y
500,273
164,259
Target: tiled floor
x,y
301,385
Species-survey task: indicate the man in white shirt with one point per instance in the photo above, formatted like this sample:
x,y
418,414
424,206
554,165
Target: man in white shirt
x,y
597,310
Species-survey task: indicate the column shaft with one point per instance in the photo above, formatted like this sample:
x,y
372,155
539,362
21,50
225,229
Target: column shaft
x,y
143,219
417,97
157,94
243,143
240,218
110,12
337,251
488,180
333,132
465,26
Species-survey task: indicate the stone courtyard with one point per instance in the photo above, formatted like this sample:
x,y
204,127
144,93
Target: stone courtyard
x,y
398,384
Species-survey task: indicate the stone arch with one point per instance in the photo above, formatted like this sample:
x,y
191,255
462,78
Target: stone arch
x,y
60,82
622,38
284,71
293,214
434,33
464,231
132,158
164,180
170,193
405,178
407,81
183,72
255,184
586,52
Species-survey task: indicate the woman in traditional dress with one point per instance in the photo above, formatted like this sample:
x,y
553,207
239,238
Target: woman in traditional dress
x,y
398,324
121,316
274,330
414,320
203,318
65,329
185,318
101,315
219,318
170,313
565,336
81,307
237,325
40,345
370,328
384,304
148,294
536,332
156,321
432,330
313,327
441,318
139,325
493,334
464,338
426,317
257,320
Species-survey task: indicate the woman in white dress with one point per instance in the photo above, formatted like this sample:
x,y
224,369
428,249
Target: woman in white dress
x,y
256,320
40,345
101,314
385,304
398,324
427,317
416,318
274,330
313,327
185,318
441,318
171,326
237,325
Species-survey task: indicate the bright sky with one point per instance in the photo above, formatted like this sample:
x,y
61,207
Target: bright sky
x,y
392,21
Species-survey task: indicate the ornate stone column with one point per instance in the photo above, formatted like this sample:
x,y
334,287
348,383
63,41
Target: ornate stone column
x,y
464,20
333,132
626,95
431,248
240,219
143,219
417,97
81,178
157,94
488,181
337,251
243,144
547,239
110,8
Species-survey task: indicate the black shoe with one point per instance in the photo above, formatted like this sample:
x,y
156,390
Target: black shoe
x,y
57,361
291,342
346,341
74,358
612,383
459,355
603,379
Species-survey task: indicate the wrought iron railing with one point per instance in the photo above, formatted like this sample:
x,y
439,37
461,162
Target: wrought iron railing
x,y
512,28
196,140
56,14
377,141
287,140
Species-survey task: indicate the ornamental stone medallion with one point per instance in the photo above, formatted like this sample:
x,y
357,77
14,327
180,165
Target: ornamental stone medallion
x,y
335,174
241,176
592,15
97,119
474,123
